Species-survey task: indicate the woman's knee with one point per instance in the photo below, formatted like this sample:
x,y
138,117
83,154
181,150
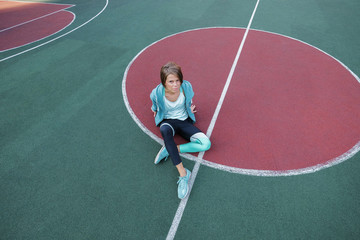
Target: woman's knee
x,y
205,143
203,140
166,130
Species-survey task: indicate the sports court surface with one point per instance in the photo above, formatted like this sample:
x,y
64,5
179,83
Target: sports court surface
x,y
276,88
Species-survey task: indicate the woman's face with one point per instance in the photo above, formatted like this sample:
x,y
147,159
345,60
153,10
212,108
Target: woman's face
x,y
172,83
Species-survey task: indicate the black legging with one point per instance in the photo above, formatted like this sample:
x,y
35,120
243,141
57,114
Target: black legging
x,y
170,127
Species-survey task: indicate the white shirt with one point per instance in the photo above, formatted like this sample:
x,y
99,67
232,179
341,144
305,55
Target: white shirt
x,y
176,110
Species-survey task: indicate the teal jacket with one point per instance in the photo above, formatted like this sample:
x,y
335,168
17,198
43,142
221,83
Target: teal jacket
x,y
158,105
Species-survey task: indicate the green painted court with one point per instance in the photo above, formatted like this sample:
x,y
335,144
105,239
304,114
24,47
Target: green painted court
x,y
78,141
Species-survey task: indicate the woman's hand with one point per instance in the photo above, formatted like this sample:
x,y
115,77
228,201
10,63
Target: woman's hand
x,y
154,113
193,109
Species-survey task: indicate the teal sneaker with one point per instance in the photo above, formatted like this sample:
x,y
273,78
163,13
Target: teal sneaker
x,y
162,154
183,185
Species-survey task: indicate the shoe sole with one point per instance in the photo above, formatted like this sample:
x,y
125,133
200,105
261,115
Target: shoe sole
x,y
157,156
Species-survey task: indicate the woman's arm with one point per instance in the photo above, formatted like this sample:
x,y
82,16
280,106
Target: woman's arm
x,y
154,102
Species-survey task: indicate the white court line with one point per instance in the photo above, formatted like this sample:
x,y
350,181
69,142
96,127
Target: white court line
x,y
31,2
183,202
20,24
40,45
43,37
254,172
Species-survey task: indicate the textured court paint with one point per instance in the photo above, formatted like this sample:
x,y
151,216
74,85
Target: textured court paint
x,y
143,100
26,12
230,76
269,173
21,21
183,203
310,164
73,186
35,30
29,22
291,110
54,39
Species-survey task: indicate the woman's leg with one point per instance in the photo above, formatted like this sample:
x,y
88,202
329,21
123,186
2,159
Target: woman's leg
x,y
168,132
181,169
199,142
168,129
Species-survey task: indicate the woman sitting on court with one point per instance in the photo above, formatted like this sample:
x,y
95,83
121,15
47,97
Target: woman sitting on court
x,y
174,113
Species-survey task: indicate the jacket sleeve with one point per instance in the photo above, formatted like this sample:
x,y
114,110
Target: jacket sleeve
x,y
188,90
189,94
153,98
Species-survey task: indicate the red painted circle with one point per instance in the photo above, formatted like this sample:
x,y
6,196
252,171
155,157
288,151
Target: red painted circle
x,y
289,105
28,22
35,31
